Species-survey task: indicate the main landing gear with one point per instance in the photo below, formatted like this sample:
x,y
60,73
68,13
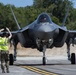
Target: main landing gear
x,y
11,59
71,57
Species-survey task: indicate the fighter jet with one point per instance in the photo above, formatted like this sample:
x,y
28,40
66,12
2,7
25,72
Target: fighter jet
x,y
43,33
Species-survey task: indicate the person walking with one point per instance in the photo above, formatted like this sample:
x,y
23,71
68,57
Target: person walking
x,y
4,48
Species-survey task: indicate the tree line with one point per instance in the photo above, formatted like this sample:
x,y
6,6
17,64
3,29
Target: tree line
x,y
26,15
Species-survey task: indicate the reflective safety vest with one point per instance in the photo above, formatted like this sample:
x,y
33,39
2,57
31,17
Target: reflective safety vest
x,y
4,43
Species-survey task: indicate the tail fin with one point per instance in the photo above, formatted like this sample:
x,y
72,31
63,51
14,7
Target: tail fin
x,y
15,18
66,15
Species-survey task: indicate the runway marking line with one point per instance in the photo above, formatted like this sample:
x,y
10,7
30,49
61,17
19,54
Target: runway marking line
x,y
39,71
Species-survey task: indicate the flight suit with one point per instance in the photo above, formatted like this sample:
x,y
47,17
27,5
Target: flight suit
x,y
4,54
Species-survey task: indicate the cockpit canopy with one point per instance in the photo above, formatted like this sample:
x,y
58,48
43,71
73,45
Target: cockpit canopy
x,y
43,18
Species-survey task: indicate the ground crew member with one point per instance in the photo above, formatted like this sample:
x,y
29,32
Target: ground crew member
x,y
4,48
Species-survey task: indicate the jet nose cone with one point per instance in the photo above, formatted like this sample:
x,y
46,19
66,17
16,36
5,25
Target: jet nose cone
x,y
45,28
45,31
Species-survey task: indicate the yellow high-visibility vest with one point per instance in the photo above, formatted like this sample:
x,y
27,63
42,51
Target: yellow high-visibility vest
x,y
4,43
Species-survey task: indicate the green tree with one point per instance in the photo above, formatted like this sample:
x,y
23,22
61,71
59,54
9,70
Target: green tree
x,y
26,15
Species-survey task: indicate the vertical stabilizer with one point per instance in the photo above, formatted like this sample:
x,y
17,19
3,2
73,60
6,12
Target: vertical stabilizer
x,y
15,18
66,15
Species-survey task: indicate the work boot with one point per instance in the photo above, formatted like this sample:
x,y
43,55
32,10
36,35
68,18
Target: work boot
x,y
7,71
3,71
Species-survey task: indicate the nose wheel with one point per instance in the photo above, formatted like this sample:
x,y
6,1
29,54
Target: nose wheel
x,y
44,57
44,60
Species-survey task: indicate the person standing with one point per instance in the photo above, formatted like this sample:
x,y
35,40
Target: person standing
x,y
4,40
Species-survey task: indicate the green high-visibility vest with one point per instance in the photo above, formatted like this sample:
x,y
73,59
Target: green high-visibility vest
x,y
4,43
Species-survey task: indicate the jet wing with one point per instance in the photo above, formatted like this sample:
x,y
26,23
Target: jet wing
x,y
72,36
72,33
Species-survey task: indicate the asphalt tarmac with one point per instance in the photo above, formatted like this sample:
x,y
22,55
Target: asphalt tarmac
x,y
33,66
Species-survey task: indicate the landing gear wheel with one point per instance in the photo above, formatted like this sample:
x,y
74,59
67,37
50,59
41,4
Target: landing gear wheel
x,y
73,58
11,61
44,60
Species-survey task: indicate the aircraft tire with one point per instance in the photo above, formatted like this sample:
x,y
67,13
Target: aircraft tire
x,y
44,60
11,61
73,58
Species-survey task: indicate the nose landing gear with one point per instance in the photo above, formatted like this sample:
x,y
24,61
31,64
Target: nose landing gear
x,y
44,57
